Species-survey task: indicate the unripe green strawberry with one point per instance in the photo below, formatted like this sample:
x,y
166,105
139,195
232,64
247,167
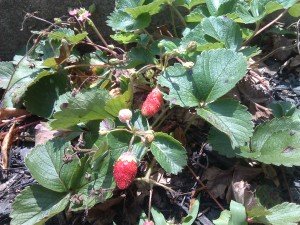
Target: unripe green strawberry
x,y
153,103
125,170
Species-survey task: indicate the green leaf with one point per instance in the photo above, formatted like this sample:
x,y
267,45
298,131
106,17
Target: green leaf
x,y
46,165
223,219
25,73
98,187
284,214
295,10
222,144
277,142
36,204
197,14
158,217
84,107
182,90
230,117
6,71
67,34
44,91
196,35
238,214
152,8
282,109
224,30
220,7
169,153
125,37
139,56
113,106
122,21
139,121
216,72
118,142
193,212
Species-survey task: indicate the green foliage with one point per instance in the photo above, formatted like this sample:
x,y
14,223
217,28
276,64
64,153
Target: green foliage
x,y
230,117
67,80
169,153
84,107
36,204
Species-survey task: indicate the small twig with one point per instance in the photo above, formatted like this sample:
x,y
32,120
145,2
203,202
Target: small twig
x,y
160,116
150,202
283,48
208,192
91,23
266,26
155,183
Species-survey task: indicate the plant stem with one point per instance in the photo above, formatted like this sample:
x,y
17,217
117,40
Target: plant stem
x,y
91,23
173,22
208,192
181,18
149,171
153,182
161,115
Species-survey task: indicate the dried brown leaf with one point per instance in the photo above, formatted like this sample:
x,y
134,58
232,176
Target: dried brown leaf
x,y
6,113
6,146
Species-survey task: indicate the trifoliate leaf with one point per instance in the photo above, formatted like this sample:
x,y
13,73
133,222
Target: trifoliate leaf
x,y
36,204
224,30
169,153
216,72
230,117
84,107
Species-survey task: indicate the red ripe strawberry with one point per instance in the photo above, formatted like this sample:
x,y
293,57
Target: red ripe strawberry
x,y
125,170
153,103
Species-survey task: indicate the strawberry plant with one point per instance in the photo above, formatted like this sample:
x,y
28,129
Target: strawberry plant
x,y
109,102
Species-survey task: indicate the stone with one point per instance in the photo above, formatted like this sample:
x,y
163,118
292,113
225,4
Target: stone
x,y
13,38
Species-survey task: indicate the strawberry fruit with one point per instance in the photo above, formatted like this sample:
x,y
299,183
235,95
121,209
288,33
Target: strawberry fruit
x,y
153,103
125,170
